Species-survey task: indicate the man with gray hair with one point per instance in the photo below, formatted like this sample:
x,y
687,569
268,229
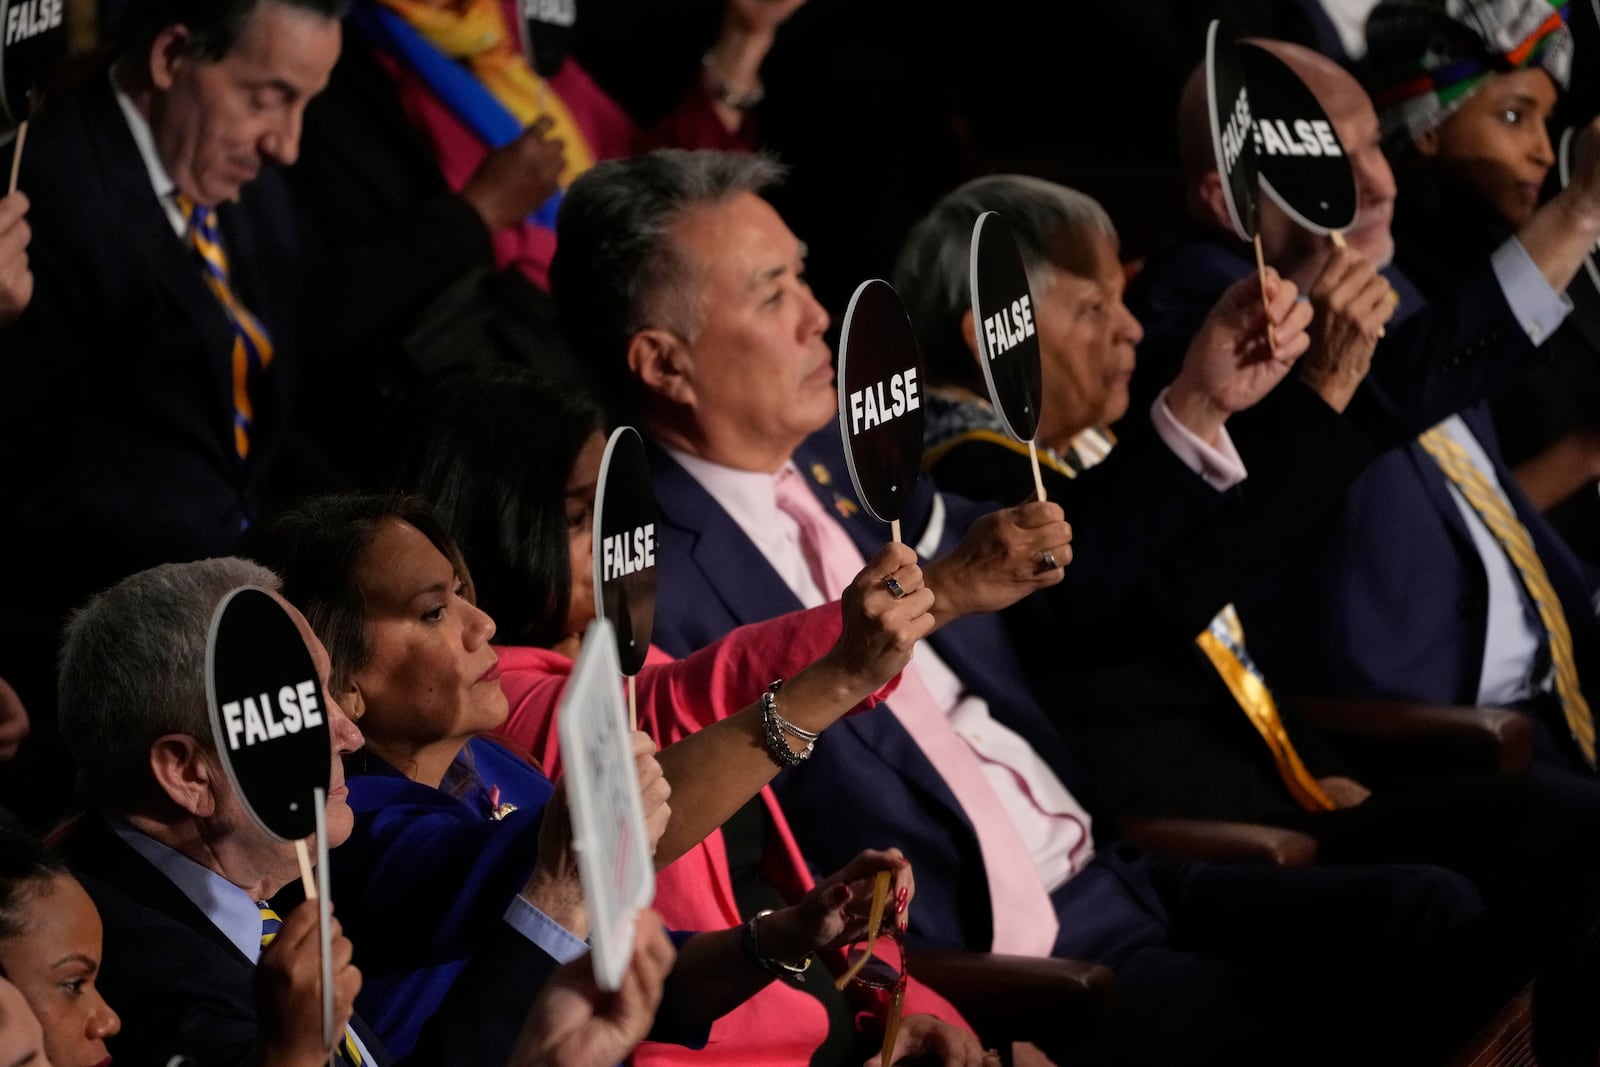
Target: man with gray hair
x,y
174,862
684,289
180,871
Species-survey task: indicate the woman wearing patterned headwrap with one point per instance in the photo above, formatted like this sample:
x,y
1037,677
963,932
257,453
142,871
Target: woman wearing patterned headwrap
x,y
1464,89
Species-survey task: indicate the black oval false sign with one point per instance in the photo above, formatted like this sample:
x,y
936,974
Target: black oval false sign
x,y
625,546
1002,318
268,714
1299,157
549,28
1232,141
33,41
880,399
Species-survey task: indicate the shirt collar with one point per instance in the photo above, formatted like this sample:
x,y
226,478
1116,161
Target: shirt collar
x,y
161,182
749,497
229,908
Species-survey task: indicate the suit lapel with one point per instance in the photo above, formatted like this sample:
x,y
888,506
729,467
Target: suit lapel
x,y
752,591
729,564
149,236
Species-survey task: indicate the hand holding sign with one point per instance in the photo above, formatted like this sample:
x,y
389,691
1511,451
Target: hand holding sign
x,y
290,974
1565,156
608,823
271,728
1300,160
16,277
1008,340
880,401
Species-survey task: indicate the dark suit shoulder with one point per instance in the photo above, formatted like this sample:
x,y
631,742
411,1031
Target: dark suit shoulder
x,y
178,984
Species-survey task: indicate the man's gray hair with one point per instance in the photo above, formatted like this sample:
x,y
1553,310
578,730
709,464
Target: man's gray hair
x,y
132,669
1054,226
617,268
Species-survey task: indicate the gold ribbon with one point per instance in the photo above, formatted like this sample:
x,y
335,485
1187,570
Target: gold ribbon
x,y
1223,644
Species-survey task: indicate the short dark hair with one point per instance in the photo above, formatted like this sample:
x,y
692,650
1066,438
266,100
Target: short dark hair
x,y
500,446
26,863
316,547
617,270
215,26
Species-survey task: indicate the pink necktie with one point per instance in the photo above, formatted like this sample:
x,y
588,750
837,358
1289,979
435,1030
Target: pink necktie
x,y
1023,917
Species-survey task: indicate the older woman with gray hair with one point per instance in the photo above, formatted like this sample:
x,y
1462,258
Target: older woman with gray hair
x,y
1087,338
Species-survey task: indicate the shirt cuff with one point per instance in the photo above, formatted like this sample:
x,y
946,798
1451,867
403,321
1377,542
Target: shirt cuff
x,y
1219,467
545,933
1538,308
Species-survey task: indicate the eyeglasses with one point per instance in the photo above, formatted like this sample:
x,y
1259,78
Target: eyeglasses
x,y
877,967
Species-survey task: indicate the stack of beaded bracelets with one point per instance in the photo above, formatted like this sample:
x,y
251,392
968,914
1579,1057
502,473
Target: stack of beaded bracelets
x,y
777,726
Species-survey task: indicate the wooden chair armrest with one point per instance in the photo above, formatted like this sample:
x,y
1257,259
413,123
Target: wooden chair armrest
x,y
1436,739
1020,998
1227,842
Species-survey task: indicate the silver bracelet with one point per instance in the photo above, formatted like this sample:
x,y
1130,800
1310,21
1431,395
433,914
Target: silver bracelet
x,y
776,727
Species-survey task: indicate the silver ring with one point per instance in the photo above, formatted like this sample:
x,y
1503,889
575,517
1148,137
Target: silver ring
x,y
1047,561
894,587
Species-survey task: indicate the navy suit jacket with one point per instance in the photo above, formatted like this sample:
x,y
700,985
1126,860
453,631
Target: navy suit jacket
x,y
867,785
118,378
1395,601
1391,599
183,988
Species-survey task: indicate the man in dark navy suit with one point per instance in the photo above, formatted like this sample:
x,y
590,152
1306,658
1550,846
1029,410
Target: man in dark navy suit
x,y
145,402
685,291
1406,592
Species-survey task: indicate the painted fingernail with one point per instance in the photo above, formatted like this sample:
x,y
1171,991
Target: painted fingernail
x,y
901,899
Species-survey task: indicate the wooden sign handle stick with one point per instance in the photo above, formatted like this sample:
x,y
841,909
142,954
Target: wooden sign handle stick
x,y
16,155
324,902
633,702
1266,305
894,531
308,881
1038,479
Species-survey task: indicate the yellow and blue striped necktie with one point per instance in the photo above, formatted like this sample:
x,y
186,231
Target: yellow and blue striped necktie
x,y
1495,511
252,348
348,1052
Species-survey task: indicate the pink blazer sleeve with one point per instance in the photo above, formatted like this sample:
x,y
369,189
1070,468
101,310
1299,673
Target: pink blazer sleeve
x,y
676,697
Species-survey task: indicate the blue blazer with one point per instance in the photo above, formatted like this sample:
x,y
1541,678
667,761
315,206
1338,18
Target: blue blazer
x,y
452,905
868,785
1398,597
